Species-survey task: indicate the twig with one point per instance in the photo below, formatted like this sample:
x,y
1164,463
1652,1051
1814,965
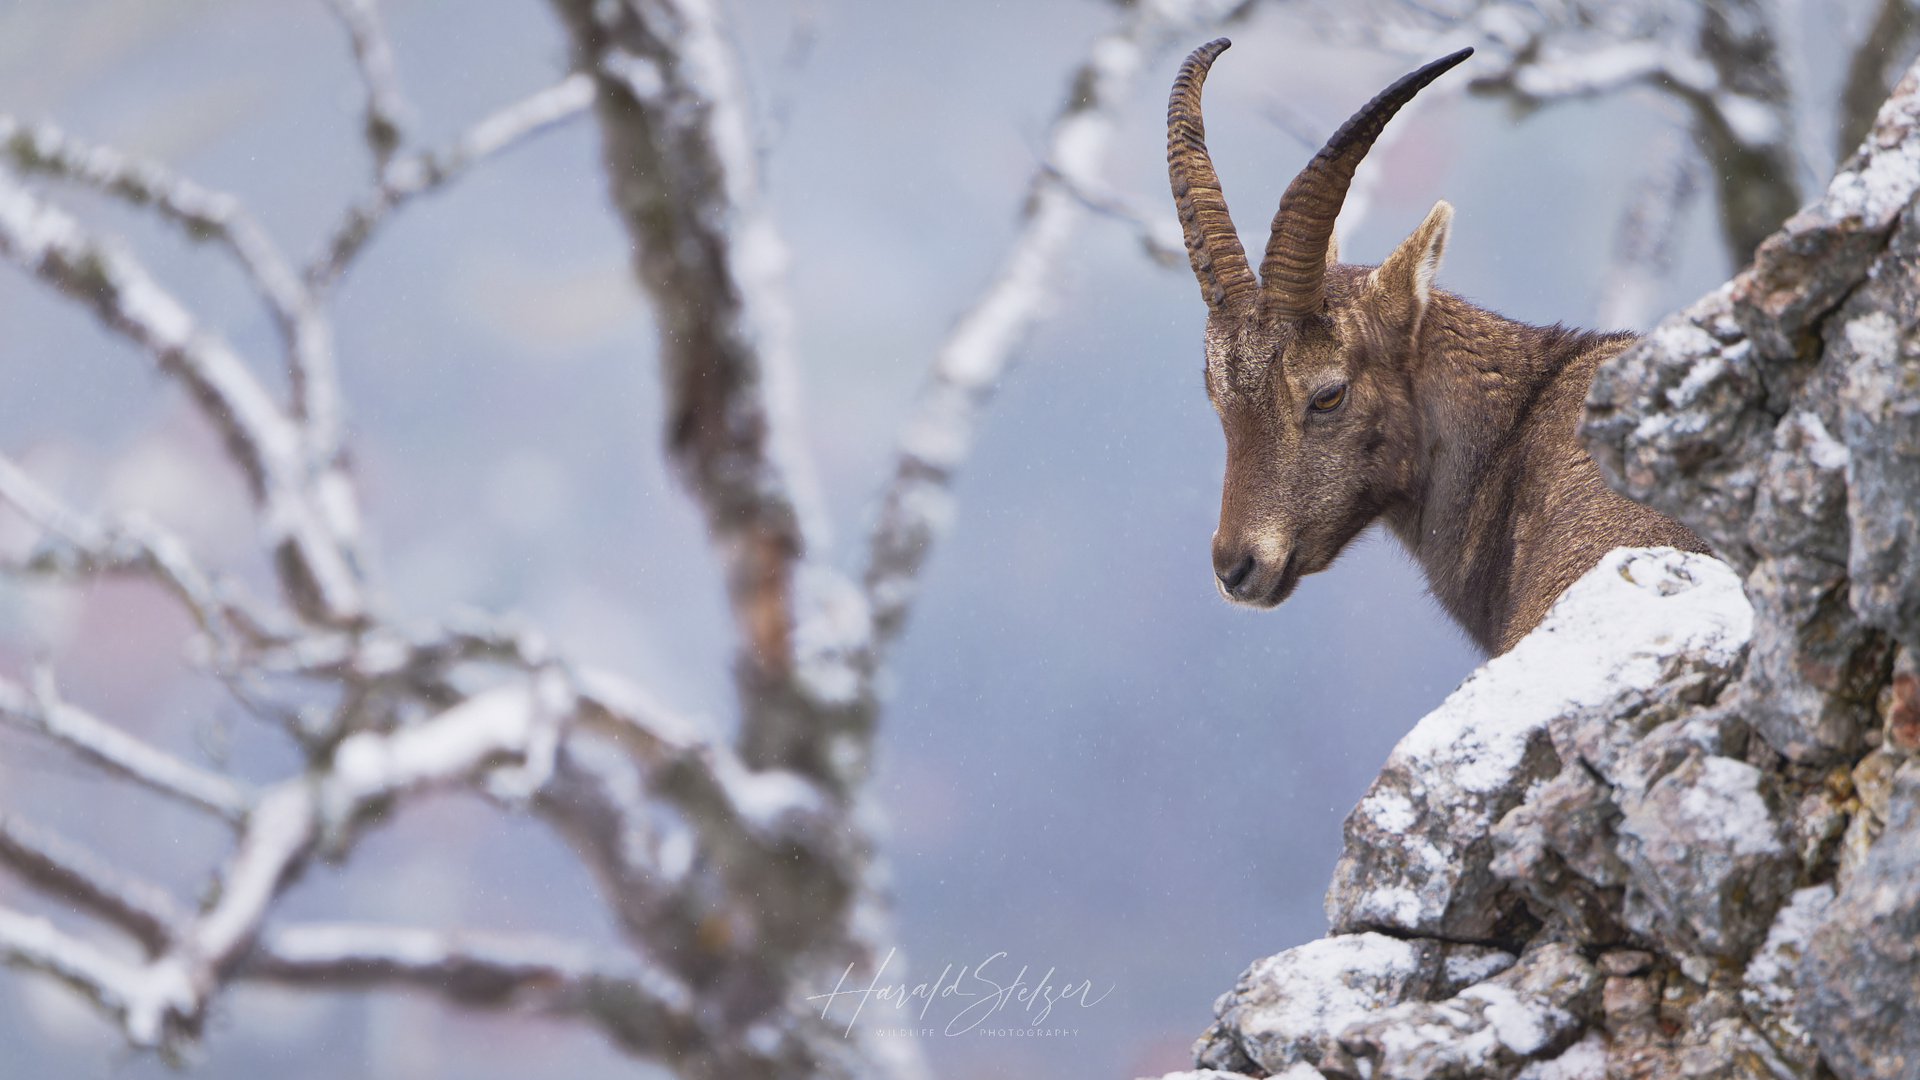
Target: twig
x,y
428,170
383,128
130,546
307,510
639,1005
141,995
204,214
79,876
917,504
1643,244
120,753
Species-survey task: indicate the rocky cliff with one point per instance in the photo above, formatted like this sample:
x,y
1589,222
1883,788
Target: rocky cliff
x,y
1675,832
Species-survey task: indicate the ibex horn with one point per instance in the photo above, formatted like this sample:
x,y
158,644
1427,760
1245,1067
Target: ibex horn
x,y
1293,272
1212,246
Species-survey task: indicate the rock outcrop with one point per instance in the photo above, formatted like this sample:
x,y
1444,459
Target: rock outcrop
x,y
1675,832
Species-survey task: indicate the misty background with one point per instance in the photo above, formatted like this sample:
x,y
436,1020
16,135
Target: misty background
x,y
1089,762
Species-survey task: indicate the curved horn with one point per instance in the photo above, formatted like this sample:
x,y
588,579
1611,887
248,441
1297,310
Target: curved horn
x,y
1212,246
1293,272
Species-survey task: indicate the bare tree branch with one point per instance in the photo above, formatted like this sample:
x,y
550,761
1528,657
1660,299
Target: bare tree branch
x,y
680,162
1643,245
132,546
1720,59
917,504
640,1007
308,509
203,214
118,752
88,881
429,170
140,995
386,107
1883,53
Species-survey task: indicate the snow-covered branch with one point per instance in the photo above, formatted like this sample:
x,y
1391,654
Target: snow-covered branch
x,y
204,215
386,106
680,161
917,504
40,709
307,505
428,170
1720,60
134,545
90,882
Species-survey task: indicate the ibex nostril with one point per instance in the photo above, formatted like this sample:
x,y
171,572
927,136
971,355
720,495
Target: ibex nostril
x,y
1231,579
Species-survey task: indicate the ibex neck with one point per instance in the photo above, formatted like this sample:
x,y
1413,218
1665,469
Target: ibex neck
x,y
1506,508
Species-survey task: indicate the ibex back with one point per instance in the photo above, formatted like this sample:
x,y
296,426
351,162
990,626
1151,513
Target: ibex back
x,y
1351,394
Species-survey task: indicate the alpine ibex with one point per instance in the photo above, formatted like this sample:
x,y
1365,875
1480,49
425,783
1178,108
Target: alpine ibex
x,y
1353,393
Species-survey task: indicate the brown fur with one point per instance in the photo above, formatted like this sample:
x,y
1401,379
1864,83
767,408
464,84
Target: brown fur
x,y
1354,394
1457,428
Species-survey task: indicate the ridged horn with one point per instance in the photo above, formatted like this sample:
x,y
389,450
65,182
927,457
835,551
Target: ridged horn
x,y
1212,246
1293,272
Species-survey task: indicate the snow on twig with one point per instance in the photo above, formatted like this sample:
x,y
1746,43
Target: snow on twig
x,y
204,214
40,709
428,170
308,507
71,873
132,545
386,106
917,504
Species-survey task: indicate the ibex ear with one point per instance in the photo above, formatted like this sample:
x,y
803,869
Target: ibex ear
x,y
1333,249
1407,275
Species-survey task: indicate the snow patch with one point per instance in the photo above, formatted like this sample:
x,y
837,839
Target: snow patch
x,y
1615,629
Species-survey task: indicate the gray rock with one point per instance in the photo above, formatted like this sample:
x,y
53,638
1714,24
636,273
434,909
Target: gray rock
x,y
1288,1009
1813,662
1419,847
1860,977
1876,340
1678,422
1532,1012
1770,985
1803,271
1707,858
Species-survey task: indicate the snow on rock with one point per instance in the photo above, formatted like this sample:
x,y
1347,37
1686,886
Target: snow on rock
x,y
1531,1012
1707,861
1287,1009
1419,845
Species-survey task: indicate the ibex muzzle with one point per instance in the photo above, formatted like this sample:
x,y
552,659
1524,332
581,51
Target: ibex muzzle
x,y
1351,394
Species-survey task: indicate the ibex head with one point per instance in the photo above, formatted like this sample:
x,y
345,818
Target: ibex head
x,y
1306,366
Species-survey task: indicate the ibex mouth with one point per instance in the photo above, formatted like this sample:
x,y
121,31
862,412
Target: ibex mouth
x,y
1250,584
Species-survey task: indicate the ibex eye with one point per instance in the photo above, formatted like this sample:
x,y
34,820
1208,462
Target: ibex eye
x,y
1329,399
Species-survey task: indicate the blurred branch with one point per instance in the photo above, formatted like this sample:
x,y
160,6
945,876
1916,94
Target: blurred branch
x,y
383,127
679,160
118,752
1883,53
71,873
429,170
917,504
203,214
130,546
1643,244
640,1007
308,507
140,995
1720,59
